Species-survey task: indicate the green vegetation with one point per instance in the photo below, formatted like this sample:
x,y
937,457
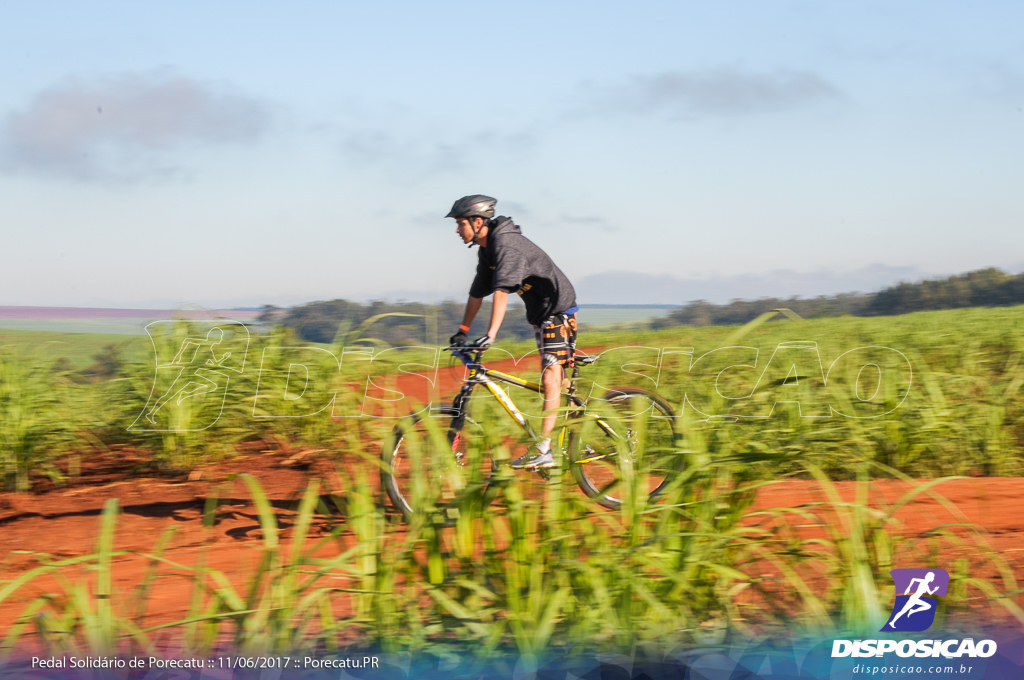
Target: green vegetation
x,y
982,288
76,350
545,574
543,569
953,407
402,323
35,407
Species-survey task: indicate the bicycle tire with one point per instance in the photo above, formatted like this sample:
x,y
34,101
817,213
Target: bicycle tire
x,y
454,481
596,463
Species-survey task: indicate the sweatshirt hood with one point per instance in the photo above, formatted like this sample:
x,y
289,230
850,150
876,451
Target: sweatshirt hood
x,y
502,225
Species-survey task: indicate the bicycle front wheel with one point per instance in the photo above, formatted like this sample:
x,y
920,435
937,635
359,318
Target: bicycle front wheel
x,y
634,449
430,466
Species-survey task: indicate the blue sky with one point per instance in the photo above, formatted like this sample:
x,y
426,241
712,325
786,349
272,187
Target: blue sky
x,y
234,153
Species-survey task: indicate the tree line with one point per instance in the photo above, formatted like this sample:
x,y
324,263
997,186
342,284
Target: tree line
x,y
396,324
409,323
981,288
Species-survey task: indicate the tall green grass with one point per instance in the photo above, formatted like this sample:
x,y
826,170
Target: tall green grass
x,y
542,568
961,415
542,572
37,418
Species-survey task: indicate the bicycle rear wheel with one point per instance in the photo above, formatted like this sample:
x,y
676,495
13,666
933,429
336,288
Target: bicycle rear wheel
x,y
640,455
431,466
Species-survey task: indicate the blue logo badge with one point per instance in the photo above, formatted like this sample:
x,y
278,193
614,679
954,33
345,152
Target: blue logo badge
x,y
917,597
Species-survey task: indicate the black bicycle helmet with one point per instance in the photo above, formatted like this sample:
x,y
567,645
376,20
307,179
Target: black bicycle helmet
x,y
476,205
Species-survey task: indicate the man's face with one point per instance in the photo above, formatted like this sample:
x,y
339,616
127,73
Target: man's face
x,y
464,228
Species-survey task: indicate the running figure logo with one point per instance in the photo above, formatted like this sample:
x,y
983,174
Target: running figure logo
x,y
198,371
917,593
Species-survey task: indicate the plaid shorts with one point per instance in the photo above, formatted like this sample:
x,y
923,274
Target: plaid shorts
x,y
556,340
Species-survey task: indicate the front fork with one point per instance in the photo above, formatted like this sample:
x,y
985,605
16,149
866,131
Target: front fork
x,y
458,420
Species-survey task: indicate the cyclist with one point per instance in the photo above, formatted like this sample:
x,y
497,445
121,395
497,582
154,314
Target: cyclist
x,y
508,262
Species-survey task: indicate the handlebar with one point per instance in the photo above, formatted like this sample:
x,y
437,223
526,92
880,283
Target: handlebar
x,y
463,348
465,353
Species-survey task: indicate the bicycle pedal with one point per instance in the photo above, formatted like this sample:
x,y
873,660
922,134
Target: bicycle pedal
x,y
590,455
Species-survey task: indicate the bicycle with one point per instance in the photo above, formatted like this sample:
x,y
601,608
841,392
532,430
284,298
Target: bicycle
x,y
627,438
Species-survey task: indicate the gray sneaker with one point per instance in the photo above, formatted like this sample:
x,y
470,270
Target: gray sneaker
x,y
533,459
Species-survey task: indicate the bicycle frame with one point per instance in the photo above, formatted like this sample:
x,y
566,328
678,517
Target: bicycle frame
x,y
597,481
489,378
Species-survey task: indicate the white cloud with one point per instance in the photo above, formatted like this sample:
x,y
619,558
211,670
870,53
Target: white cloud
x,y
589,222
1003,84
717,92
123,127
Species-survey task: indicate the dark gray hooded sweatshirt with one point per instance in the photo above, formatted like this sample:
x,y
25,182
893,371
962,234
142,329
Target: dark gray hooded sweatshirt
x,y
513,263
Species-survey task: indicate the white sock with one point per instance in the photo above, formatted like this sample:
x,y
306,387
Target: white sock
x,y
544,445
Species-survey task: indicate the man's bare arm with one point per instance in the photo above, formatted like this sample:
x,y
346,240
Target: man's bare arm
x,y
498,312
472,307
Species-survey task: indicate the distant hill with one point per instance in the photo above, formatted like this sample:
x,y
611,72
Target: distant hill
x,y
652,289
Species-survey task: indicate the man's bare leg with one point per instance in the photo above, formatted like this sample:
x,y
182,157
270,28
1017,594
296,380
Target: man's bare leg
x,y
551,381
539,454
